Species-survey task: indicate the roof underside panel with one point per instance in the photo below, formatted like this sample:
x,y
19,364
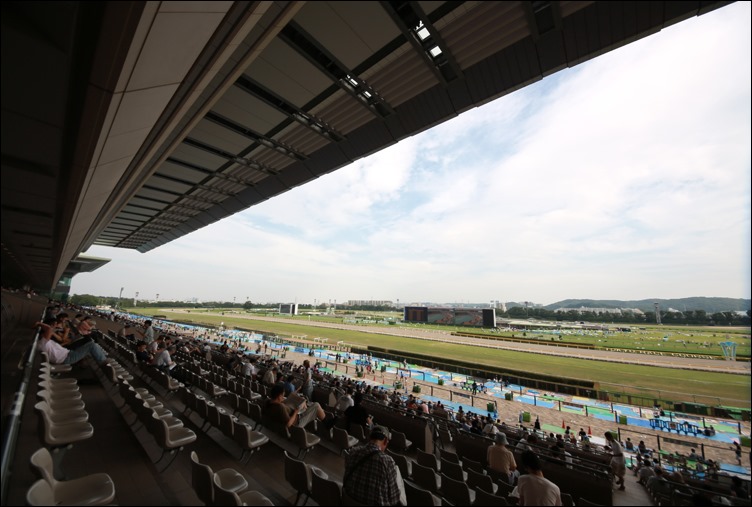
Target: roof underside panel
x,y
363,28
288,74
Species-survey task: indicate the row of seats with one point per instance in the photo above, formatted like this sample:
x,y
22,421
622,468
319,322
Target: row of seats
x,y
248,439
63,421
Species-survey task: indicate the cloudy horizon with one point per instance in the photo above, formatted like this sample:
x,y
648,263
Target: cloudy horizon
x,y
626,177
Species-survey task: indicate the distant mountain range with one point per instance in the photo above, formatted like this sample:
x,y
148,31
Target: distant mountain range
x,y
709,305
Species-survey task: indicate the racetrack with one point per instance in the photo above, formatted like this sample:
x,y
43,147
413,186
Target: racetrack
x,y
711,365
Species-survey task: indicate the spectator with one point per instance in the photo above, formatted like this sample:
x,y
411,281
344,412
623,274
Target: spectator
x,y
270,376
142,354
357,414
533,488
345,401
501,459
617,459
127,332
281,410
645,472
163,359
738,453
307,388
371,476
490,429
148,332
629,446
290,386
58,354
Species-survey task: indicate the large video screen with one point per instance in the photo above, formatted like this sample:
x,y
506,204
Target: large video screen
x,y
451,316
416,314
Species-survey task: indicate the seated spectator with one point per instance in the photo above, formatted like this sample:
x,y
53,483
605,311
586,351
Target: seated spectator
x,y
643,448
693,455
371,476
629,446
645,472
357,414
58,354
533,488
127,332
501,459
490,429
270,376
163,359
280,411
86,326
345,401
142,354
289,386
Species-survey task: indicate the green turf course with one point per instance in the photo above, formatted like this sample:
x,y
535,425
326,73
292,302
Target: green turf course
x,y
702,340
676,384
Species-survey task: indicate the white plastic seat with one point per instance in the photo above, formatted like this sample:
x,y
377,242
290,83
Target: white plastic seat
x,y
59,403
56,435
94,489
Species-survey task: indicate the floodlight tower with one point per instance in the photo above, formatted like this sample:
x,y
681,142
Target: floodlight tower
x,y
657,312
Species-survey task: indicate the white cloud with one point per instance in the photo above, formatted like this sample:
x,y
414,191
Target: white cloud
x,y
626,177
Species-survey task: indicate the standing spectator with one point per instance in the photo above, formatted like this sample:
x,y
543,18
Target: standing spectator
x,y
534,489
148,332
307,388
738,453
618,465
371,476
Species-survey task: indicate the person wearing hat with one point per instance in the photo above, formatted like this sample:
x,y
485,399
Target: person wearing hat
x,y
501,459
371,475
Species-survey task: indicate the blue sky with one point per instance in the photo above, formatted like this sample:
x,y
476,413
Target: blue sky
x,y
626,177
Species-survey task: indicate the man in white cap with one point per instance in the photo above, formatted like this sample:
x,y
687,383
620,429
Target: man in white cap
x,y
501,459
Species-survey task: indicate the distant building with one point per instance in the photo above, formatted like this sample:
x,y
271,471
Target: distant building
x,y
368,302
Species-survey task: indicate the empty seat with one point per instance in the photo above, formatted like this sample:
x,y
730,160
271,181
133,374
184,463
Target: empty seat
x,y
455,491
481,481
426,478
171,441
343,440
453,470
224,496
299,476
428,460
248,439
399,441
55,434
403,463
204,479
419,496
483,497
94,489
325,491
303,439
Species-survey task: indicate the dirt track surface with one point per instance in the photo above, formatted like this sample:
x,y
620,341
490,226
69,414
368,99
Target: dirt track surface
x,y
714,365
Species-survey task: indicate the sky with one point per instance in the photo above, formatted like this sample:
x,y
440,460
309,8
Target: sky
x,y
626,177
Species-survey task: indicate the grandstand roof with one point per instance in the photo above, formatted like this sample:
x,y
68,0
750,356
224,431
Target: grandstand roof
x,y
131,124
